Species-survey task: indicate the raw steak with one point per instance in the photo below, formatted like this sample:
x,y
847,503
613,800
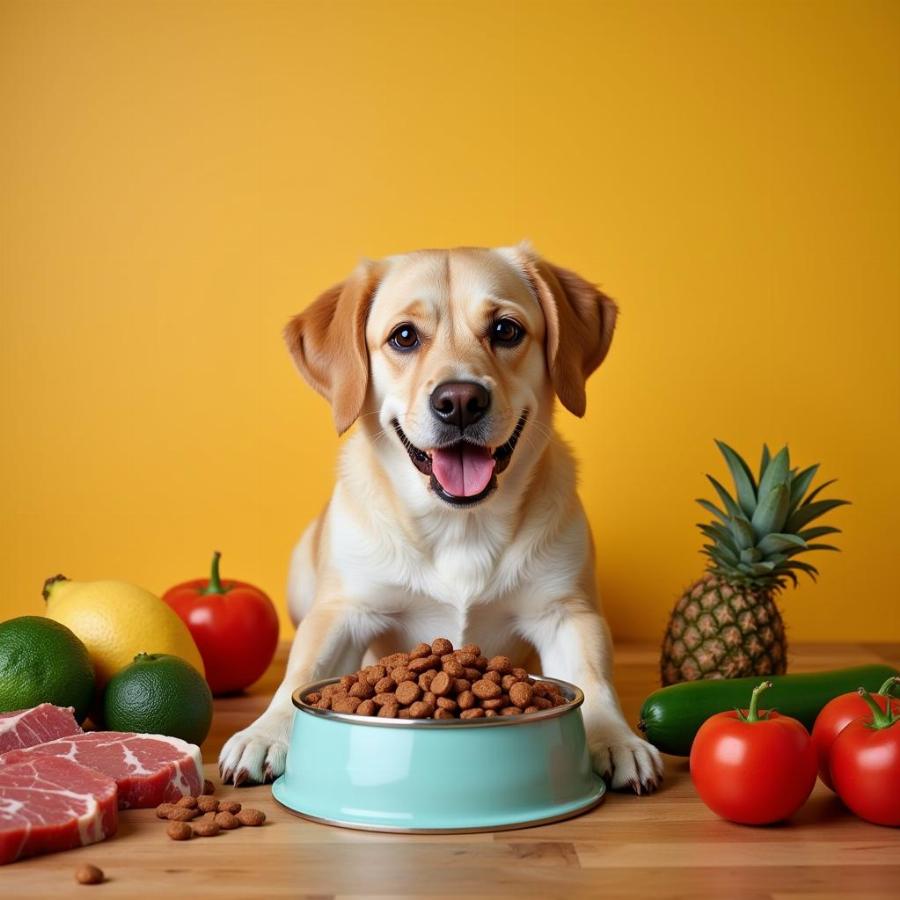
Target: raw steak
x,y
52,803
149,769
27,727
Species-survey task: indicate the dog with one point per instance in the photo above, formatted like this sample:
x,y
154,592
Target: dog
x,y
455,510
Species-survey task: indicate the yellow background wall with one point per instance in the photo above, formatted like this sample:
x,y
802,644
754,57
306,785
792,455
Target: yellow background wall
x,y
178,178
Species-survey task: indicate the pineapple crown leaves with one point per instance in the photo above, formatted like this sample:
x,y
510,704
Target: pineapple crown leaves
x,y
760,529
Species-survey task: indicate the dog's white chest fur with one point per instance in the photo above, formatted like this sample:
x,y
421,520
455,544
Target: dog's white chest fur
x,y
472,578
460,580
464,561
456,560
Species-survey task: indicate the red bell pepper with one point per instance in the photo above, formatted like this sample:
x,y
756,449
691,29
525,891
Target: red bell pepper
x,y
234,625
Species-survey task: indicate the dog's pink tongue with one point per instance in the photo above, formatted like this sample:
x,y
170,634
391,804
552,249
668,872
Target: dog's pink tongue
x,y
463,470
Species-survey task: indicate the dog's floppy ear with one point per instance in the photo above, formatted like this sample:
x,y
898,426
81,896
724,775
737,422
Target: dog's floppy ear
x,y
580,322
328,343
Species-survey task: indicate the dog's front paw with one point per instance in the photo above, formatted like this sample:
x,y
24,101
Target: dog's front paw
x,y
257,753
627,762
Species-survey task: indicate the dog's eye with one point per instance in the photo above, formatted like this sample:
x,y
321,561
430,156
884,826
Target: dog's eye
x,y
506,333
404,337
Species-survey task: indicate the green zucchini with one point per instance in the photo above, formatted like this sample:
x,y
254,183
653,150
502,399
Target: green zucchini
x,y
671,716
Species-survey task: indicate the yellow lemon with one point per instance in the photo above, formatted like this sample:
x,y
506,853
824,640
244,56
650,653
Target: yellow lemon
x,y
116,621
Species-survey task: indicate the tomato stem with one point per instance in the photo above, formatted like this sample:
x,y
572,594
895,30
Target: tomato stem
x,y
753,711
886,690
215,582
880,719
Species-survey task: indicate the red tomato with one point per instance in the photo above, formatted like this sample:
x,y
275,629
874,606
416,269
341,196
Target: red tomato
x,y
865,765
234,625
753,768
836,715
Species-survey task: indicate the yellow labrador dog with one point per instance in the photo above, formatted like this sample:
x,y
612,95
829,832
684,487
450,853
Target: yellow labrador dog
x,y
455,511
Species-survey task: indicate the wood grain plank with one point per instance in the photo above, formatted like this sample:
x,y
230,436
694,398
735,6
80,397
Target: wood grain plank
x,y
733,854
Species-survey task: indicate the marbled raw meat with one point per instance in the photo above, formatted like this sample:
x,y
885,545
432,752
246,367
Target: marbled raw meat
x,y
27,727
52,803
149,769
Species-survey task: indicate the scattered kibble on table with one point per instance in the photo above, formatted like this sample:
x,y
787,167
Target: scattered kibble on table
x,y
204,816
88,874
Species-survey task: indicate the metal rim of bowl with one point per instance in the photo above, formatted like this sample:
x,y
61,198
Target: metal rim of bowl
x,y
573,693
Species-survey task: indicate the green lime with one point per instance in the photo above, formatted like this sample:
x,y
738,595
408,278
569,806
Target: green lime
x,y
42,661
159,694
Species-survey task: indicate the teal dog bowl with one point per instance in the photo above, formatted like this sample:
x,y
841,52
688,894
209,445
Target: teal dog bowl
x,y
438,775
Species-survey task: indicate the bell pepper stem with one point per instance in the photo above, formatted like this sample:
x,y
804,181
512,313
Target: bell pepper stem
x,y
215,582
886,690
880,718
753,711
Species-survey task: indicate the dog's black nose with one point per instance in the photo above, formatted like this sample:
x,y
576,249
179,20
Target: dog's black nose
x,y
460,403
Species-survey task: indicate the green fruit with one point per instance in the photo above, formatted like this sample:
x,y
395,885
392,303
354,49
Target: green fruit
x,y
159,694
42,661
671,716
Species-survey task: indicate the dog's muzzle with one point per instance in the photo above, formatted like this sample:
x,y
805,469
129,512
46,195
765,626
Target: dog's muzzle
x,y
462,473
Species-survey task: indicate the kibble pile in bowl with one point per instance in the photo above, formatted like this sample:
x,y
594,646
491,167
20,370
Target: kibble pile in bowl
x,y
434,681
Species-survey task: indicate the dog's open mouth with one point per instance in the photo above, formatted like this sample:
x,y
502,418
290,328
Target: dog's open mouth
x,y
462,473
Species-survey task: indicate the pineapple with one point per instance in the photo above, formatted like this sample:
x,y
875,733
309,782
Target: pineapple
x,y
727,624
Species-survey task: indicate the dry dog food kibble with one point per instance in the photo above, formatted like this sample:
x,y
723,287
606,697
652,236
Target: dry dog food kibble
x,y
252,817
182,814
179,831
205,816
434,681
206,804
88,874
226,821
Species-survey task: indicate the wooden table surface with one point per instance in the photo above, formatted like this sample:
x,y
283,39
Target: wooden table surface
x,y
664,846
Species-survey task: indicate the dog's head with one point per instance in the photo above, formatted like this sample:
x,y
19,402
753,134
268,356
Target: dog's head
x,y
452,356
